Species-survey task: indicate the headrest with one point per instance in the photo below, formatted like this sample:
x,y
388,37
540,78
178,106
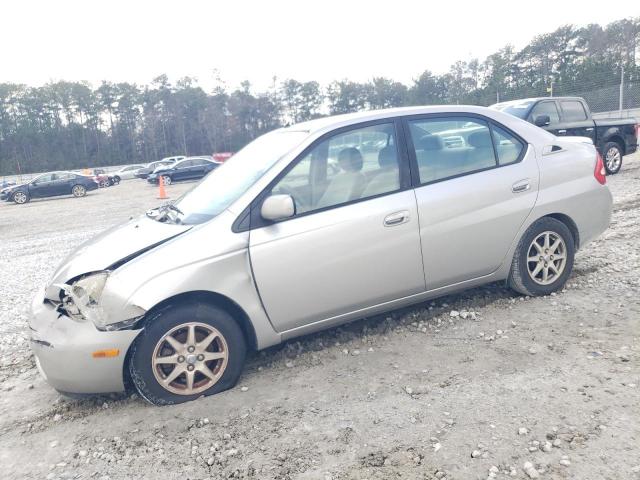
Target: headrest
x,y
350,159
387,157
430,142
480,140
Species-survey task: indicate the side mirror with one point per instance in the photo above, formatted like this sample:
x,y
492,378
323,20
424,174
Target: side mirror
x,y
277,207
542,120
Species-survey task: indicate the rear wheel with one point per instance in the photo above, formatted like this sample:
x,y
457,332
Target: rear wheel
x,y
186,352
612,158
543,259
20,198
78,191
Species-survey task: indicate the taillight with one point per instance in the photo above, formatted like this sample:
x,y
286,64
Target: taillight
x,y
600,173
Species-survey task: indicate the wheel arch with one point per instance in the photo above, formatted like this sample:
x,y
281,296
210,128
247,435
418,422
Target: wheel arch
x,y
616,139
212,298
571,225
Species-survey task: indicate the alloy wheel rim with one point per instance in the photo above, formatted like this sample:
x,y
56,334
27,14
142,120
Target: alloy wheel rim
x,y
166,180
546,258
613,158
78,191
20,197
190,358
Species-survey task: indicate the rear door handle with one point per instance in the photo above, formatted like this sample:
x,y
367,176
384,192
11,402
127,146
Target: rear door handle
x,y
397,218
521,186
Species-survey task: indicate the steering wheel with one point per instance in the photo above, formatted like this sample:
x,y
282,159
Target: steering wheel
x,y
283,189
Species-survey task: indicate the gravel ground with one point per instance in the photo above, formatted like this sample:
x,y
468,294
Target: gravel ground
x,y
485,384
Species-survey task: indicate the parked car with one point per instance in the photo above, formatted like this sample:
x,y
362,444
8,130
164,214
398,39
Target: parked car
x,y
102,179
126,173
275,244
191,168
148,170
50,185
571,116
221,157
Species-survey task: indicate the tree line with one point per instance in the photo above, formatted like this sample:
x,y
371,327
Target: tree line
x,y
66,125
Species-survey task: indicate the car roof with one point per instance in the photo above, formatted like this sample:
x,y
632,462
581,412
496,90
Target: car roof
x,y
533,99
335,121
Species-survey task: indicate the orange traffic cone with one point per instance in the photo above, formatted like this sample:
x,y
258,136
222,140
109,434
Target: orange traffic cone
x,y
162,195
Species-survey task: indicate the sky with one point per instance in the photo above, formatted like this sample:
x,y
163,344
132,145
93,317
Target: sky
x,y
322,40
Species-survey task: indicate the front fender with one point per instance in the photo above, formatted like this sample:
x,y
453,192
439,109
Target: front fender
x,y
192,262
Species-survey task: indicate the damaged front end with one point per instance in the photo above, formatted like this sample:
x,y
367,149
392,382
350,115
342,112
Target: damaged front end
x,y
81,300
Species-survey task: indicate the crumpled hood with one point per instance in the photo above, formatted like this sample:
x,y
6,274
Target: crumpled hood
x,y
114,245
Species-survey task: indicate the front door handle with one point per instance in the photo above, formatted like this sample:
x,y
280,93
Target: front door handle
x,y
562,131
397,218
521,186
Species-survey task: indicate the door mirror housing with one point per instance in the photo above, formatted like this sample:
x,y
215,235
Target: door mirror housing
x,y
278,207
542,120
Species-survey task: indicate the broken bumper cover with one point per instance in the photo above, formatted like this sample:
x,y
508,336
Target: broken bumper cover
x,y
64,349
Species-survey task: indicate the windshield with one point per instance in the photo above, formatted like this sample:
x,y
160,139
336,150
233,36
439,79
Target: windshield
x,y
225,184
517,109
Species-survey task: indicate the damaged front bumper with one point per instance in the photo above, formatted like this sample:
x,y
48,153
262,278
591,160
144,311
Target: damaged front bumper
x,y
65,351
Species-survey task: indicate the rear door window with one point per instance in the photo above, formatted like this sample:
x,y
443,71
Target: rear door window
x,y
450,147
546,108
508,147
573,111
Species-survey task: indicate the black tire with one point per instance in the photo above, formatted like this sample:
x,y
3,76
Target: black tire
x,y
78,191
20,197
520,277
612,157
115,180
157,327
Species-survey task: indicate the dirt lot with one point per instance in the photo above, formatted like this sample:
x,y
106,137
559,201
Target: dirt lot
x,y
470,386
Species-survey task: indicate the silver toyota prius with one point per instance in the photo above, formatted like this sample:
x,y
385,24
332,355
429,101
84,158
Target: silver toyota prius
x,y
311,226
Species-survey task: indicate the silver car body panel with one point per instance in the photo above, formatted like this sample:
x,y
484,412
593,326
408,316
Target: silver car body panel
x,y
307,279
468,224
323,262
213,260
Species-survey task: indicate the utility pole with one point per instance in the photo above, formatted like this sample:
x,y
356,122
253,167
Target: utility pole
x,y
497,96
621,96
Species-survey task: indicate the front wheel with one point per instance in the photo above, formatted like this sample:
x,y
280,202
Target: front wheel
x,y
115,180
186,352
612,158
166,180
20,198
543,259
78,191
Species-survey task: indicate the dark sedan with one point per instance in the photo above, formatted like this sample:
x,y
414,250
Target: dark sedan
x,y
50,185
187,169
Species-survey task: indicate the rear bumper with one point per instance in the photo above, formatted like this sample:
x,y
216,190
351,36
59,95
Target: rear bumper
x,y
598,217
63,351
